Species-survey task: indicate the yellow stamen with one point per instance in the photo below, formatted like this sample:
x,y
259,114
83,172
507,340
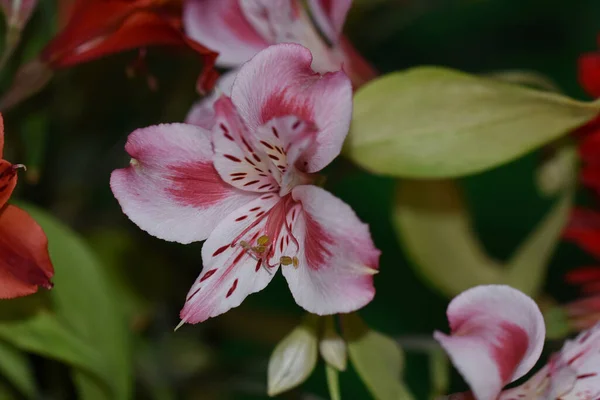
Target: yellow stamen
x,y
259,249
263,240
285,260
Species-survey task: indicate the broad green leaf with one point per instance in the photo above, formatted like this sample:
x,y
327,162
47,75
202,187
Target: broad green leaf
x,y
435,229
525,78
87,327
48,336
332,346
14,366
294,358
433,122
377,359
333,382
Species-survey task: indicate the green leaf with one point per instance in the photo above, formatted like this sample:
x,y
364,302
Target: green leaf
x,y
377,359
14,366
532,79
433,122
46,335
435,229
87,328
333,382
294,358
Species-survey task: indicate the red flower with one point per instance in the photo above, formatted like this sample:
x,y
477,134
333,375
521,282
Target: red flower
x,y
102,27
24,261
589,72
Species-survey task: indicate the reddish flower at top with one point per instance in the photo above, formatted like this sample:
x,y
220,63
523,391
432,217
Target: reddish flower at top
x,y
584,225
102,27
498,336
24,261
589,72
246,189
238,29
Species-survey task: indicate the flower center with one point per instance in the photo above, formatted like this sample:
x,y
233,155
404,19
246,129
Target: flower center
x,y
269,239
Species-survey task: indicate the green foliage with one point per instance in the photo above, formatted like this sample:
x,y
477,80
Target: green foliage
x,y
433,122
333,382
84,325
14,365
377,358
436,231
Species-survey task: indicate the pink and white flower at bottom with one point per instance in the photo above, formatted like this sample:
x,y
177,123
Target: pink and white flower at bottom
x,y
246,189
497,337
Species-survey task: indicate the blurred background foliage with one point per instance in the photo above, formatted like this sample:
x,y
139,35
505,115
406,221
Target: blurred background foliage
x,y
124,288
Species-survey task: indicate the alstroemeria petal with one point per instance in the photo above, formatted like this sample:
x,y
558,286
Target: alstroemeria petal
x,y
337,258
1,136
202,112
100,28
571,374
239,159
589,73
221,25
330,16
279,82
171,189
584,229
275,20
583,355
230,273
24,261
8,181
497,337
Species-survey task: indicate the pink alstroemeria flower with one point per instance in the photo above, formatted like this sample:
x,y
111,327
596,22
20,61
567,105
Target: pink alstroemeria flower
x,y
238,29
497,337
245,189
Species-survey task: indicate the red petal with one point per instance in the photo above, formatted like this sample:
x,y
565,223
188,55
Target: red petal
x,y
24,261
583,275
100,28
589,73
1,135
8,181
584,229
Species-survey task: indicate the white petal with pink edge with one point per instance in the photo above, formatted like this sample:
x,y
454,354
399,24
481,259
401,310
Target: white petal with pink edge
x,y
337,258
571,374
273,19
497,337
222,26
232,268
330,16
583,355
202,112
239,158
279,82
171,189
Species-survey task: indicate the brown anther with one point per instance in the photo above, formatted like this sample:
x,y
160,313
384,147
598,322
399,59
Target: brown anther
x,y
245,245
295,262
285,260
263,240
